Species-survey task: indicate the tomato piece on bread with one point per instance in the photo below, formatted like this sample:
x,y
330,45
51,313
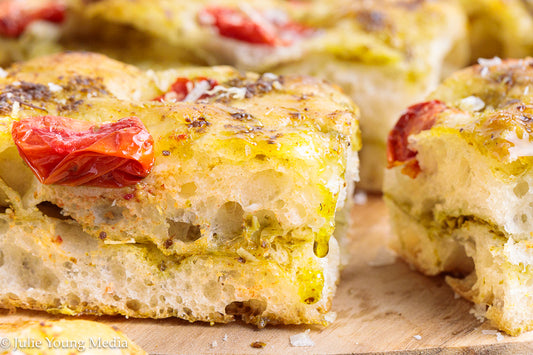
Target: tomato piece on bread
x,y
415,119
65,151
15,17
252,26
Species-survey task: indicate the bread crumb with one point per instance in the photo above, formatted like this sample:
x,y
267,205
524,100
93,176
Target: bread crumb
x,y
479,311
214,344
360,198
456,296
490,331
383,257
258,345
417,337
225,337
499,337
301,339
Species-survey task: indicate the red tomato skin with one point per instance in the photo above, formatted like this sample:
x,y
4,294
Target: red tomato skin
x,y
14,18
180,88
236,24
415,119
64,151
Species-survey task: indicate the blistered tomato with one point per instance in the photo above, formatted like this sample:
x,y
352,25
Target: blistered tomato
x,y
254,27
417,118
15,16
65,151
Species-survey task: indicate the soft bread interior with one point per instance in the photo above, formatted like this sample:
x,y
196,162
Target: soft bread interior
x,y
463,217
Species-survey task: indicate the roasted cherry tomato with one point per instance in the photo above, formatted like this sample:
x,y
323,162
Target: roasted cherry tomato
x,y
417,118
256,28
65,151
15,16
183,86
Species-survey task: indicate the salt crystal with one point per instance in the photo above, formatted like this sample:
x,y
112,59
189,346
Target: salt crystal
x,y
490,331
360,198
383,257
499,337
417,337
301,339
54,87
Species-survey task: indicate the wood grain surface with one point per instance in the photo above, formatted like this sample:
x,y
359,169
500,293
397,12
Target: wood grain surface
x,y
379,309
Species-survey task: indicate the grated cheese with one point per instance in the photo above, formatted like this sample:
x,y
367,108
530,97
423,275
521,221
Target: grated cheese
x,y
522,146
472,104
489,62
197,91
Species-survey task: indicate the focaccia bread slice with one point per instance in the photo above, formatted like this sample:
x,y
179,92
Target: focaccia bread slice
x,y
385,54
251,178
459,188
66,337
500,28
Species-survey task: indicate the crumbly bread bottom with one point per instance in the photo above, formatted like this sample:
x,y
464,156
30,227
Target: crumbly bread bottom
x,y
462,216
497,272
50,264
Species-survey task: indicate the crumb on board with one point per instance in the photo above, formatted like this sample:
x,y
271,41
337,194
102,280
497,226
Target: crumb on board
x,y
330,317
258,345
417,337
499,336
225,337
383,257
301,339
214,344
479,311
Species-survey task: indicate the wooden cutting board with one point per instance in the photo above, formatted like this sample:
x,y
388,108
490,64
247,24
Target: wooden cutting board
x,y
379,309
